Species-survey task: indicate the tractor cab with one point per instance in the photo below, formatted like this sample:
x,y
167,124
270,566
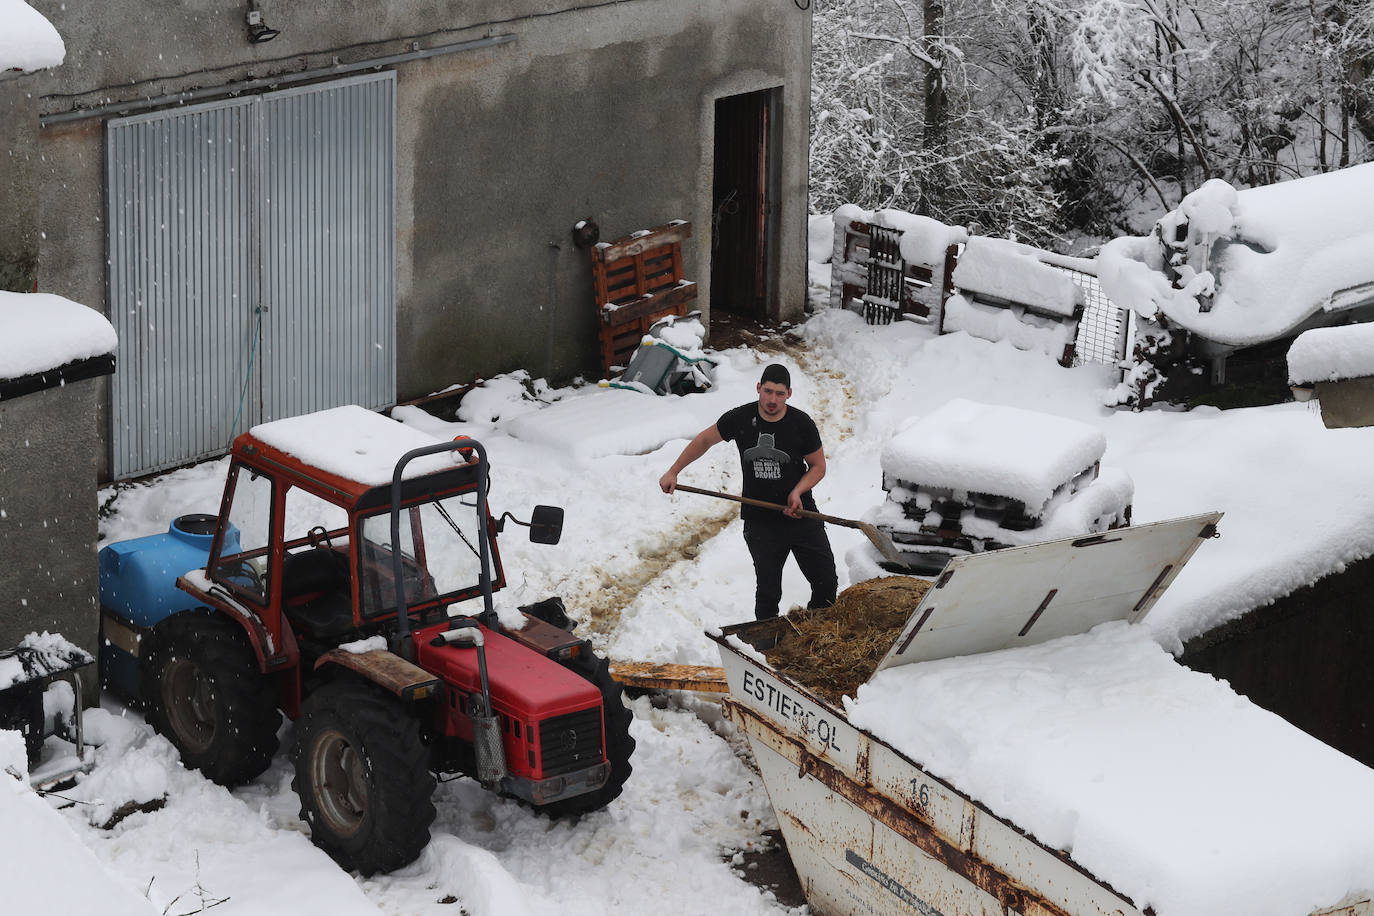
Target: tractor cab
x,y
308,535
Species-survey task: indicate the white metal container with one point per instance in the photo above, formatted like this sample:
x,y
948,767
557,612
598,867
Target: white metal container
x,y
868,830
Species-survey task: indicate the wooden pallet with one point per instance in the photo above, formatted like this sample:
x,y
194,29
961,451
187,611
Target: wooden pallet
x,y
638,280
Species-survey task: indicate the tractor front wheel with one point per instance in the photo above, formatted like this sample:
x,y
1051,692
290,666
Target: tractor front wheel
x,y
363,778
202,689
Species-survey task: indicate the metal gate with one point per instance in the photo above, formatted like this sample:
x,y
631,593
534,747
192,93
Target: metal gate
x,y
250,265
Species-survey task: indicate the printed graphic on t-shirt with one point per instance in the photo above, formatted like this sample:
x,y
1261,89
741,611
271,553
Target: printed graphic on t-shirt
x,y
767,461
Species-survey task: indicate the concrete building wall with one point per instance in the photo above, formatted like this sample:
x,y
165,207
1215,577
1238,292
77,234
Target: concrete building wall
x,y
602,110
18,178
48,580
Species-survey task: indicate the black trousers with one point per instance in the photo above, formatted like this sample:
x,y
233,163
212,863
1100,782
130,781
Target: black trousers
x,y
770,545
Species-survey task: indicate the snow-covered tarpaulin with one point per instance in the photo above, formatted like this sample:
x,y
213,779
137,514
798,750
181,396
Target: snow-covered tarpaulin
x,y
28,40
1252,265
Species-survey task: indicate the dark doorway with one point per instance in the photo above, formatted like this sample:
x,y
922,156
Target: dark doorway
x,y
744,203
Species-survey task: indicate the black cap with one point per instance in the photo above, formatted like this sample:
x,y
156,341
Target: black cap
x,y
778,374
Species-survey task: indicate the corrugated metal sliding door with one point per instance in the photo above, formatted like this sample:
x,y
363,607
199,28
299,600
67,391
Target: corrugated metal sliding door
x,y
182,281
251,265
329,332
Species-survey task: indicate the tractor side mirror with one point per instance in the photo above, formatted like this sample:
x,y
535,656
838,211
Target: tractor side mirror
x,y
546,524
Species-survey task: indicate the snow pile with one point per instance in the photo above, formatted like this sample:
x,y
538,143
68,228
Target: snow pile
x,y
1006,270
985,448
606,421
504,398
28,40
1332,354
1252,265
44,866
820,238
1158,780
42,331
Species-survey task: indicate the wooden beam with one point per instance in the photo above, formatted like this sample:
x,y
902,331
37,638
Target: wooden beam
x,y
647,675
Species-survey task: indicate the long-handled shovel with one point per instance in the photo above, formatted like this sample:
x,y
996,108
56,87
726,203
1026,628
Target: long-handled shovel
x,y
879,539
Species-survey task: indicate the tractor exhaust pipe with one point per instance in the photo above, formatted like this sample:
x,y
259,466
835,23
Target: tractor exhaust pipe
x,y
486,727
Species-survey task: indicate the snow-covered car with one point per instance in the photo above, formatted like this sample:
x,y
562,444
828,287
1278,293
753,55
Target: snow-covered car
x,y
972,477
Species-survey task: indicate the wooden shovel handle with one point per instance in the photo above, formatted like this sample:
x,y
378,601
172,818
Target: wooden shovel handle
x,y
749,501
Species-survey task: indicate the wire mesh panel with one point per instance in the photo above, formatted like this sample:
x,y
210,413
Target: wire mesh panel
x,y
1102,331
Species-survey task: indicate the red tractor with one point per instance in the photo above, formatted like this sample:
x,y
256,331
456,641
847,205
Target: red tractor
x,y
329,587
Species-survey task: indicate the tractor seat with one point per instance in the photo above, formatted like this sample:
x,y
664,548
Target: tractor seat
x,y
315,589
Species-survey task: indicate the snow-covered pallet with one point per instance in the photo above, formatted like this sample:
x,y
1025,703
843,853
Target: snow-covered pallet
x,y
973,477
1004,292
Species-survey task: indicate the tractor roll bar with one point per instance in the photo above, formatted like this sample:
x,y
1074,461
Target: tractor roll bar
x,y
405,642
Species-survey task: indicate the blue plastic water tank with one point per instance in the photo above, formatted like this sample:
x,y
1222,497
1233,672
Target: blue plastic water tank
x,y
138,576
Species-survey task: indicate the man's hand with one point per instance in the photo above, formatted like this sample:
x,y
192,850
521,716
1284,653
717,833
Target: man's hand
x,y
794,505
668,482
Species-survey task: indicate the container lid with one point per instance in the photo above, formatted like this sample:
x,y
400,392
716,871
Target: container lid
x,y
1026,595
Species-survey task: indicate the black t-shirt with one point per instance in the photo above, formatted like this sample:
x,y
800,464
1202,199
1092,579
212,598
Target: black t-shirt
x,y
772,456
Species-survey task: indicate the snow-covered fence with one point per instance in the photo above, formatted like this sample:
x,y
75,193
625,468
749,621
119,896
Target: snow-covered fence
x,y
889,264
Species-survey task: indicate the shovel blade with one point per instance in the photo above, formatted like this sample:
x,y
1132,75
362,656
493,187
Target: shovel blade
x,y
884,544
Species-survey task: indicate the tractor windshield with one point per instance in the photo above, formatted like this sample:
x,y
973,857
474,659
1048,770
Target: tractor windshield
x,y
440,555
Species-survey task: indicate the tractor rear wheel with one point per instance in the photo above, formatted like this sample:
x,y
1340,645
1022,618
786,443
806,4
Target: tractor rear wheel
x,y
202,689
619,744
363,778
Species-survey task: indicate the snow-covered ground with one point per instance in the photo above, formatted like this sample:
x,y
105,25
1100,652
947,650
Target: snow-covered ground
x,y
646,574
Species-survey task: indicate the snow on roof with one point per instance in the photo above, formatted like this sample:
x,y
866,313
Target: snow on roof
x,y
1003,451
1158,780
42,331
1331,354
1274,256
354,443
28,41
1006,270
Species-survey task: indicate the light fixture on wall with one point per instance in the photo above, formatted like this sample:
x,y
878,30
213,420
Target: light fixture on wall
x,y
258,31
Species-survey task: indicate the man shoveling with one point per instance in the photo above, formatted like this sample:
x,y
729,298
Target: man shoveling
x,y
783,459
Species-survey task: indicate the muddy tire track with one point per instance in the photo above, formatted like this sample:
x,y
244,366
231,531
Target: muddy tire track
x,y
614,593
